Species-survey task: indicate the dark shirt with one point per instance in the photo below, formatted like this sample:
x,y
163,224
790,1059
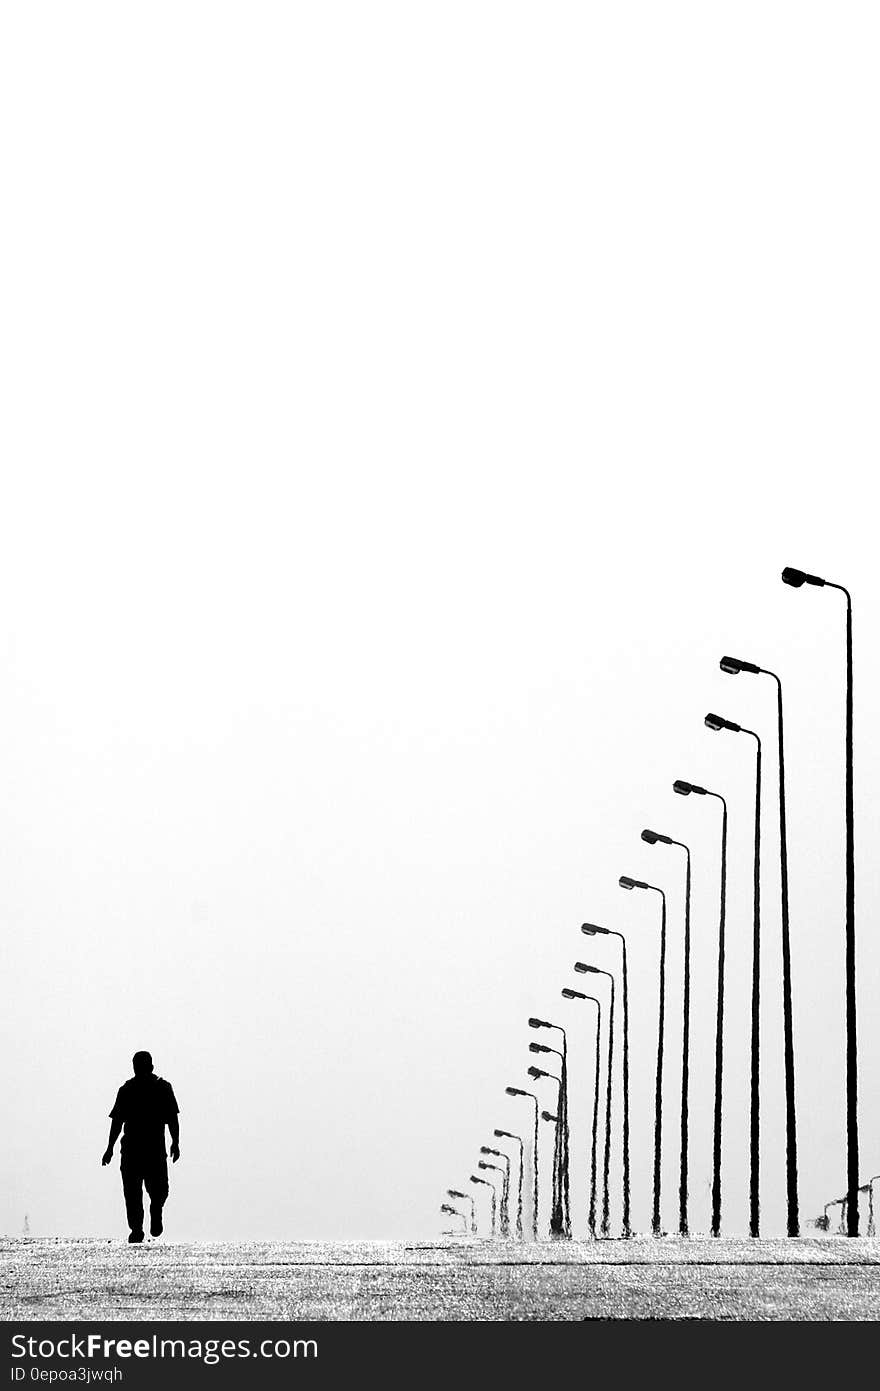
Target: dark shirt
x,y
145,1105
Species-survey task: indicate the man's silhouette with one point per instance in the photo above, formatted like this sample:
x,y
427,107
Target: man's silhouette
x,y
145,1104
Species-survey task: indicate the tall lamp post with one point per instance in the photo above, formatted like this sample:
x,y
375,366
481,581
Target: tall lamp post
x,y
733,666
517,1139
568,994
796,578
652,838
584,968
518,1091
715,722
593,930
627,883
684,789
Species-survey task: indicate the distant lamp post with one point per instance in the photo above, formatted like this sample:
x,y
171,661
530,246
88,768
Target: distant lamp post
x,y
593,930
454,1212
560,1219
716,722
466,1198
685,789
584,968
505,1192
797,578
568,994
517,1139
475,1178
870,1187
626,882
734,666
518,1091
653,838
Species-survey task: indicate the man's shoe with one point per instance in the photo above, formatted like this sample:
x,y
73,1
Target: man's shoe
x,y
155,1226
135,1236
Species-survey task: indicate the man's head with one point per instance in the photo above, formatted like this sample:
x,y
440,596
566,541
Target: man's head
x,y
142,1064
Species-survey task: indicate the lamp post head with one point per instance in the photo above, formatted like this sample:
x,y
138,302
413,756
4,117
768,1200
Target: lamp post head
x,y
716,722
626,883
652,838
539,1024
798,577
540,1048
734,665
568,994
475,1178
548,1116
515,1091
594,930
583,966
447,1207
537,1072
685,788
505,1135
481,1164
454,1193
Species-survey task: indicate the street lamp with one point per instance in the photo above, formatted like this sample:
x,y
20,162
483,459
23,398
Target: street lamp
x,y
507,1135
518,1091
593,930
568,994
715,722
583,968
466,1198
685,789
628,883
454,1212
733,666
796,578
536,1072
505,1194
505,1175
870,1188
652,838
560,1220
475,1178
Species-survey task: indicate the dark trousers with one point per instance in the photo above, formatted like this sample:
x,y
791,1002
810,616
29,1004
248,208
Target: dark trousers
x,y
140,1171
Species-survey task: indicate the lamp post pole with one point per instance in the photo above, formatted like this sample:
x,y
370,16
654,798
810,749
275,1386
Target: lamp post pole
x,y
584,968
518,1091
627,883
685,789
733,666
716,722
508,1135
568,994
592,930
796,578
652,838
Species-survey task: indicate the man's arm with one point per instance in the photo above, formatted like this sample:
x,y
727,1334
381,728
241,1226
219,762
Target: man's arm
x,y
115,1128
174,1132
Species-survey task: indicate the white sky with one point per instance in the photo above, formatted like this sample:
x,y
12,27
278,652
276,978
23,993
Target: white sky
x,y
405,408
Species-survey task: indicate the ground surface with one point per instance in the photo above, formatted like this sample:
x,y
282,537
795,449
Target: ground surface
x,y
828,1278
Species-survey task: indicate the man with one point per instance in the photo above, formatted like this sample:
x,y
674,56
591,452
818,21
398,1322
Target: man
x,y
145,1104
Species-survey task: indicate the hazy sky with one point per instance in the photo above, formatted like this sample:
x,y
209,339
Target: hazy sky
x,y
406,405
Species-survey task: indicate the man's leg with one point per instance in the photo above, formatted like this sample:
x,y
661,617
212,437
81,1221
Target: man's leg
x,y
132,1187
156,1181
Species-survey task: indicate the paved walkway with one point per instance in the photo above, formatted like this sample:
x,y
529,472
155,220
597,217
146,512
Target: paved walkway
x,y
824,1278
